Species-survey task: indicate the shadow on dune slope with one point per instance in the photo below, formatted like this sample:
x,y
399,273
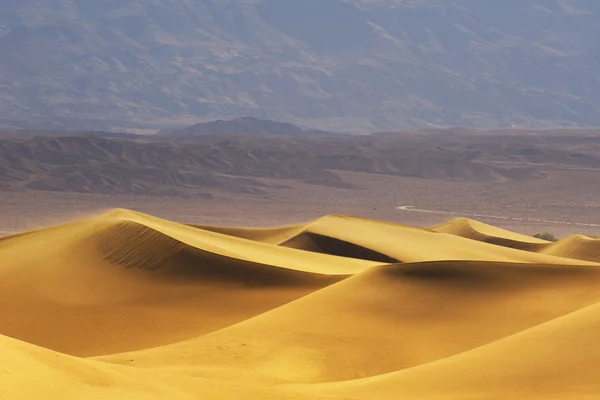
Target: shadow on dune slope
x,y
329,245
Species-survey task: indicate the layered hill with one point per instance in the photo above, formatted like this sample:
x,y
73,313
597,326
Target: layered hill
x,y
214,164
127,305
357,65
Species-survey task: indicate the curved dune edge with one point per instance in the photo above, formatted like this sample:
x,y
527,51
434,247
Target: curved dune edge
x,y
338,308
471,229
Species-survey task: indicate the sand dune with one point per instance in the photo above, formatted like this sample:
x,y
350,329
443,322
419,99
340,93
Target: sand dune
x,y
577,247
127,305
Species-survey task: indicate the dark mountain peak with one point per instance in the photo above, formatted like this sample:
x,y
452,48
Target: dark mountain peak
x,y
237,126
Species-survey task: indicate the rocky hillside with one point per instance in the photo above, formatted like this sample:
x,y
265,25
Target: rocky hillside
x,y
354,65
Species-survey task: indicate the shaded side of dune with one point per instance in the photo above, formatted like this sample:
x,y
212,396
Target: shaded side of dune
x,y
329,245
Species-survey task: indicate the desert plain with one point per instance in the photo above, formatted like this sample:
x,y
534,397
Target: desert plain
x,y
371,285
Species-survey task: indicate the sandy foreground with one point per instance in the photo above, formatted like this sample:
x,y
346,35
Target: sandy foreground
x,y
125,305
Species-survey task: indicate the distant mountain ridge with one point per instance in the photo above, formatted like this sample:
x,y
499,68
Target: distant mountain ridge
x,y
339,65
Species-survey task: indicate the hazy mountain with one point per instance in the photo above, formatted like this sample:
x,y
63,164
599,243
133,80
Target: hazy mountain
x,y
357,65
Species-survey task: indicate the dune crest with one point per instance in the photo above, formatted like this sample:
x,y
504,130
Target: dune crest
x,y
476,230
129,305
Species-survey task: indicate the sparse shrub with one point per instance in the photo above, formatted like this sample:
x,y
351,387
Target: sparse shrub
x,y
546,236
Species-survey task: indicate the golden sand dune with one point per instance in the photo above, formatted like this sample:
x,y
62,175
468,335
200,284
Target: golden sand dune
x,y
577,247
126,305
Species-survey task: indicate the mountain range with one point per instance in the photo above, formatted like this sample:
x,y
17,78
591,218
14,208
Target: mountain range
x,y
339,65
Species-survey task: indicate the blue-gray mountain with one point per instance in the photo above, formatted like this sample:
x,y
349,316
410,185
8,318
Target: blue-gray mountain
x,y
356,65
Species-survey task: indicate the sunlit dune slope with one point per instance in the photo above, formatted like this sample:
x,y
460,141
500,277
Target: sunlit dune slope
x,y
577,246
476,230
125,281
125,305
31,372
554,360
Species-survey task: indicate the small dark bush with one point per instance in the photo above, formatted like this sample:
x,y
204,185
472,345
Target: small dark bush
x,y
546,236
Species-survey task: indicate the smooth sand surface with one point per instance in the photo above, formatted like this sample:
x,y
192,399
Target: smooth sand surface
x,y
124,305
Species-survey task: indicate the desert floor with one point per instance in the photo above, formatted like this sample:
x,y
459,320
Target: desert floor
x,y
564,203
